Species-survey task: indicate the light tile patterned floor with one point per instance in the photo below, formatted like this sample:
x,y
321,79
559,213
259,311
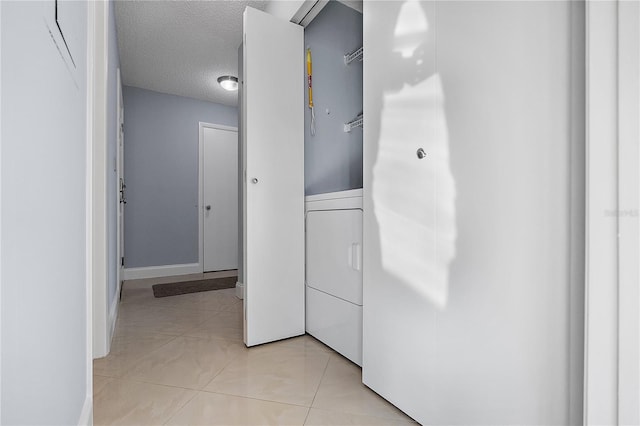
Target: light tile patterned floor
x,y
180,360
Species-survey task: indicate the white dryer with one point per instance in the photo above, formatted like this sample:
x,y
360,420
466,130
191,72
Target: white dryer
x,y
334,271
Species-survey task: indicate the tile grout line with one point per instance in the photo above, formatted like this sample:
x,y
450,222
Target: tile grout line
x,y
139,358
206,313
195,393
179,308
318,388
175,337
253,398
304,422
145,382
187,333
132,364
261,399
216,375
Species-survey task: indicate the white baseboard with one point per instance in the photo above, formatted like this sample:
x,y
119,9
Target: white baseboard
x,y
161,271
86,415
113,317
239,290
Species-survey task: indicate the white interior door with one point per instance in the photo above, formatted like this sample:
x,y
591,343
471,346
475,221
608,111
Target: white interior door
x,y
470,296
273,108
220,198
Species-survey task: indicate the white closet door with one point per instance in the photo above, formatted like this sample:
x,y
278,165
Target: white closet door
x,y
468,290
273,121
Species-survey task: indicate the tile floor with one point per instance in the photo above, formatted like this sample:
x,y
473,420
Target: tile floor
x,y
180,360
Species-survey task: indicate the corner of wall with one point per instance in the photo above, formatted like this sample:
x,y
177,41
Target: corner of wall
x,y
286,10
86,415
113,317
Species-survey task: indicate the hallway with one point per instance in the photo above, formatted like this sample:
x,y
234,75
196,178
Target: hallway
x,y
181,360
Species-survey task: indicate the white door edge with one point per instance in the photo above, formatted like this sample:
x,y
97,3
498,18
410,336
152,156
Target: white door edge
x,y
119,175
93,15
612,366
97,188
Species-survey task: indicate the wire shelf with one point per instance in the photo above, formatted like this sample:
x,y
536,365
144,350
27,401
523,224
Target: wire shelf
x,y
353,56
356,122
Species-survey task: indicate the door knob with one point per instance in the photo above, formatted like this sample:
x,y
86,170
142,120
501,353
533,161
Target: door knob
x,y
420,153
208,208
254,180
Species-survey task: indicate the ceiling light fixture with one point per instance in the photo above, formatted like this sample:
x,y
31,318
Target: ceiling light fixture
x,y
228,82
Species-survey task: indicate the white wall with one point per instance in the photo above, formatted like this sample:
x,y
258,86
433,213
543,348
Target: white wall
x,y
284,9
477,247
43,193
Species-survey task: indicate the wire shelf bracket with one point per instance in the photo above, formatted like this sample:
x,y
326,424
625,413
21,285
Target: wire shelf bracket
x,y
353,56
357,122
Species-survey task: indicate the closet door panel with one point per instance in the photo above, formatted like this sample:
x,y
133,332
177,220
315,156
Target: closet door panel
x,y
273,134
467,288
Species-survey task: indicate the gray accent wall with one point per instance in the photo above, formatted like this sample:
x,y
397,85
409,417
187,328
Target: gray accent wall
x,y
333,158
161,172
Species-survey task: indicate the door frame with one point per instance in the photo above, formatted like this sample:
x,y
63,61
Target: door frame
x,y
201,126
629,198
119,176
612,246
93,32
98,187
96,329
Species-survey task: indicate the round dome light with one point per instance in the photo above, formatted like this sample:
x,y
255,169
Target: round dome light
x,y
228,82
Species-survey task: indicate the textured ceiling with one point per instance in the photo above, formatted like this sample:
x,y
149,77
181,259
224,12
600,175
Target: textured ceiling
x,y
181,47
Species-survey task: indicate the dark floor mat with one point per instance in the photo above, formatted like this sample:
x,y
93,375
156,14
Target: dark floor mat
x,y
185,287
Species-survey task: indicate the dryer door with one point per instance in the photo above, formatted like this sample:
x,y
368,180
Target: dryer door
x,y
334,253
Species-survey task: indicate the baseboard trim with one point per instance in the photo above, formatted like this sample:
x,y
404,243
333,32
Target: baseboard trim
x,y
86,415
239,290
161,271
113,317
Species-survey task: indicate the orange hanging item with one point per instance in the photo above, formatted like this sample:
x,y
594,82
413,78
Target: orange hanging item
x,y
313,116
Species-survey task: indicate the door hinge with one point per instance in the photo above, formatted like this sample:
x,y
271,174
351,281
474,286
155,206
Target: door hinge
x,y
122,261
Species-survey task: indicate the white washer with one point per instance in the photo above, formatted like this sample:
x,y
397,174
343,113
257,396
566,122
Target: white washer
x,y
334,271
